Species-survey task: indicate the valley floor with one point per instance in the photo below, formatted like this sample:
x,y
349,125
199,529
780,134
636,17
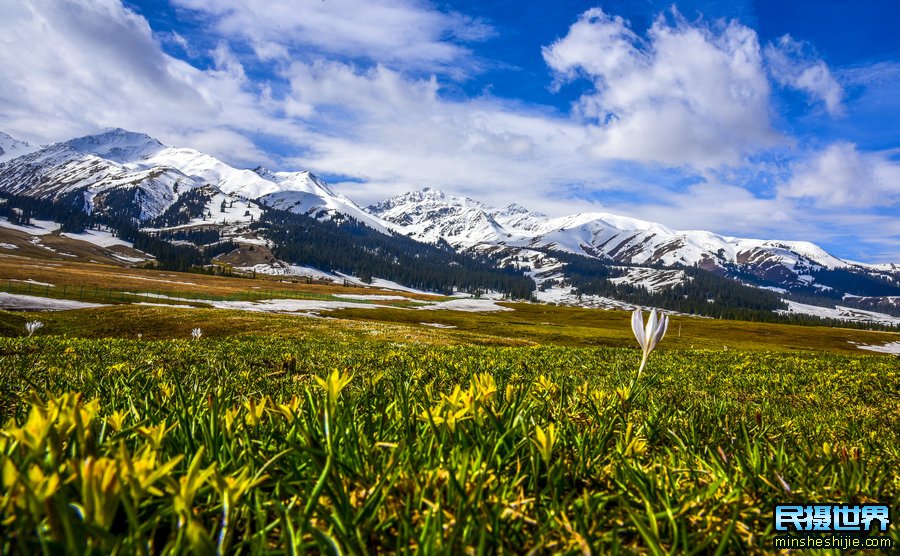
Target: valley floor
x,y
316,417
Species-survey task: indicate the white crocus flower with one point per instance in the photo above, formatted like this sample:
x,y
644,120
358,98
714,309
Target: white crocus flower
x,y
196,333
650,335
32,326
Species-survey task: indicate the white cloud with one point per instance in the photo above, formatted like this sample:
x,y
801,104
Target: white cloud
x,y
397,133
72,67
725,209
403,32
842,176
689,95
794,64
685,94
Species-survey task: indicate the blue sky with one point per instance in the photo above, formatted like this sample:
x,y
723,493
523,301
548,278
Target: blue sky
x,y
773,119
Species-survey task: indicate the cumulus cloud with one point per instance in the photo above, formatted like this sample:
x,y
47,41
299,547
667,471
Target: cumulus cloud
x,y
842,176
684,94
795,64
72,67
367,103
402,32
379,127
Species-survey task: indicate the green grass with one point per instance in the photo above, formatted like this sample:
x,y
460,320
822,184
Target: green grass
x,y
527,324
442,448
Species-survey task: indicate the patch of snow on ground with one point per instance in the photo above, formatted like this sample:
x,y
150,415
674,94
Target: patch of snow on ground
x,y
838,312
130,277
36,241
30,281
290,305
468,305
8,246
437,325
565,296
373,297
127,259
16,302
251,240
770,288
37,227
98,237
383,284
893,347
281,269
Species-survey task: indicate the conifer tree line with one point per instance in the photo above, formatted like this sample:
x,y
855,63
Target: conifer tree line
x,y
189,206
701,293
349,247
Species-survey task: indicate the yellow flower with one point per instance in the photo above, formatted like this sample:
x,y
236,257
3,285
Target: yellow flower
x,y
185,490
484,387
333,385
117,419
100,490
545,440
156,434
290,410
256,410
142,472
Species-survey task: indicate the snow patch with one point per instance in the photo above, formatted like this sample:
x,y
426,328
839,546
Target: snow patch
x,y
37,227
848,314
99,238
373,297
34,282
468,305
893,347
17,302
291,305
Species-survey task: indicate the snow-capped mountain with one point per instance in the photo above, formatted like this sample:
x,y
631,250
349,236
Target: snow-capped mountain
x,y
11,148
467,224
429,215
130,175
306,193
139,171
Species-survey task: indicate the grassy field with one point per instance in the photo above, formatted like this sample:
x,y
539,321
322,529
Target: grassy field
x,y
377,445
373,431
80,278
526,325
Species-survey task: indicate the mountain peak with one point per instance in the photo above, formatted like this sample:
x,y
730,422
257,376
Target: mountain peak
x,y
10,147
265,173
117,144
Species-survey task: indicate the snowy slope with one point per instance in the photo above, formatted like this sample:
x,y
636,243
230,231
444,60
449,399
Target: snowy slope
x,y
306,193
11,148
429,215
93,166
125,172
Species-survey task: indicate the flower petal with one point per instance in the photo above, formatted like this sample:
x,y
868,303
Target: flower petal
x,y
637,326
650,330
660,330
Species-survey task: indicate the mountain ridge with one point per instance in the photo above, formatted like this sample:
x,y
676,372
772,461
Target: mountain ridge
x,y
124,173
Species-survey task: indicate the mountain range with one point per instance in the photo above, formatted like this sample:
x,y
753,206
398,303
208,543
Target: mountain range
x,y
123,174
